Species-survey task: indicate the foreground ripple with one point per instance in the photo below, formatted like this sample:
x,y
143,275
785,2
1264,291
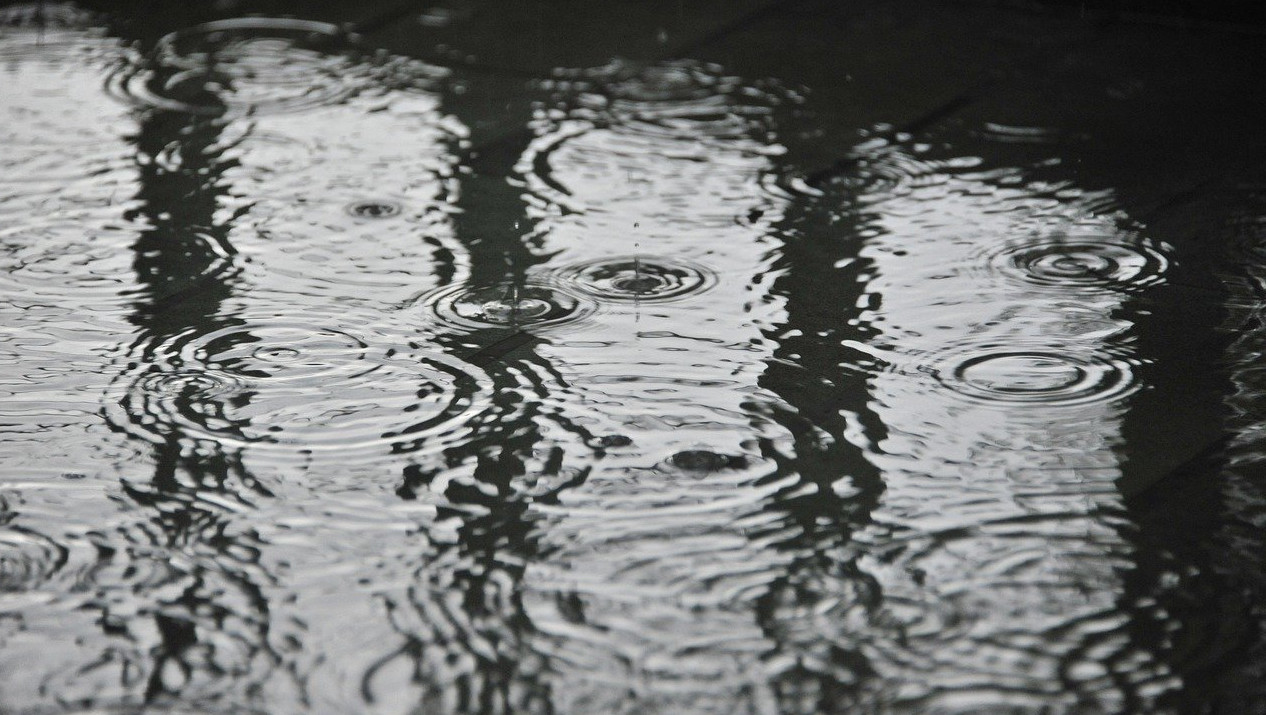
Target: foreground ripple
x,y
1047,377
297,387
505,305
639,278
1106,262
255,65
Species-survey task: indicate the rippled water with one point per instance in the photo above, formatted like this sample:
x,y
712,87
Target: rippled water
x,y
302,412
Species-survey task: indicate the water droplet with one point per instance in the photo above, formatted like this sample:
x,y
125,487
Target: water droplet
x,y
699,460
638,278
1007,375
276,354
529,305
374,209
513,311
1099,263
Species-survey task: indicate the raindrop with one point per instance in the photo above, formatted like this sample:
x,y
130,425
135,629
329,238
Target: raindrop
x,y
190,385
699,460
528,305
374,209
1011,375
514,310
1108,263
638,278
276,353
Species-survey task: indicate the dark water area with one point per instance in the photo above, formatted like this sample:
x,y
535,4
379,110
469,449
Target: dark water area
x,y
338,376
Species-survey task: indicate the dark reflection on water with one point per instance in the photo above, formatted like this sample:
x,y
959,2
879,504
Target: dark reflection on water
x,y
1200,527
1238,537
208,641
615,415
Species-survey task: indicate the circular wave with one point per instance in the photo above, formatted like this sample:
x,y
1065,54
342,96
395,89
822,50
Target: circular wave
x,y
1107,263
647,139
297,387
1010,375
374,209
253,65
638,278
93,266
282,351
505,305
27,560
670,95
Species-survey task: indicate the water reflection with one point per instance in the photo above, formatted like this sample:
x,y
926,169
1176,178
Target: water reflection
x,y
220,363
330,391
1206,516
249,65
644,599
999,530
609,416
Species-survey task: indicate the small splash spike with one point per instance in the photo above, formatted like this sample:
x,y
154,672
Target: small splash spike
x,y
512,309
634,278
520,305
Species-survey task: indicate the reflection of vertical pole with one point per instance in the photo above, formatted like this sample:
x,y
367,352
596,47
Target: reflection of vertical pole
x,y
1197,560
469,638
1235,549
648,594
806,612
177,265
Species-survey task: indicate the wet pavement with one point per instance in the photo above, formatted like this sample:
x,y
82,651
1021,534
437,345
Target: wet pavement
x,y
742,357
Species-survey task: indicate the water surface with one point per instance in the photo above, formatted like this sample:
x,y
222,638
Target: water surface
x,y
312,404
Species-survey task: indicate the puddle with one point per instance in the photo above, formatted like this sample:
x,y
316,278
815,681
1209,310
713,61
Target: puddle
x,y
340,410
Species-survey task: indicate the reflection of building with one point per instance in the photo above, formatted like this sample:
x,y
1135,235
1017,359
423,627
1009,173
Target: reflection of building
x,y
725,445
648,202
242,262
999,306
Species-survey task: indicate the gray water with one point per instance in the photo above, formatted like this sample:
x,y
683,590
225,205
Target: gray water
x,y
315,399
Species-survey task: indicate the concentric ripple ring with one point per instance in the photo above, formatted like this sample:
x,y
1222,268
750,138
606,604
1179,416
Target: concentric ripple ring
x,y
506,305
1035,376
1082,263
294,387
639,278
244,64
